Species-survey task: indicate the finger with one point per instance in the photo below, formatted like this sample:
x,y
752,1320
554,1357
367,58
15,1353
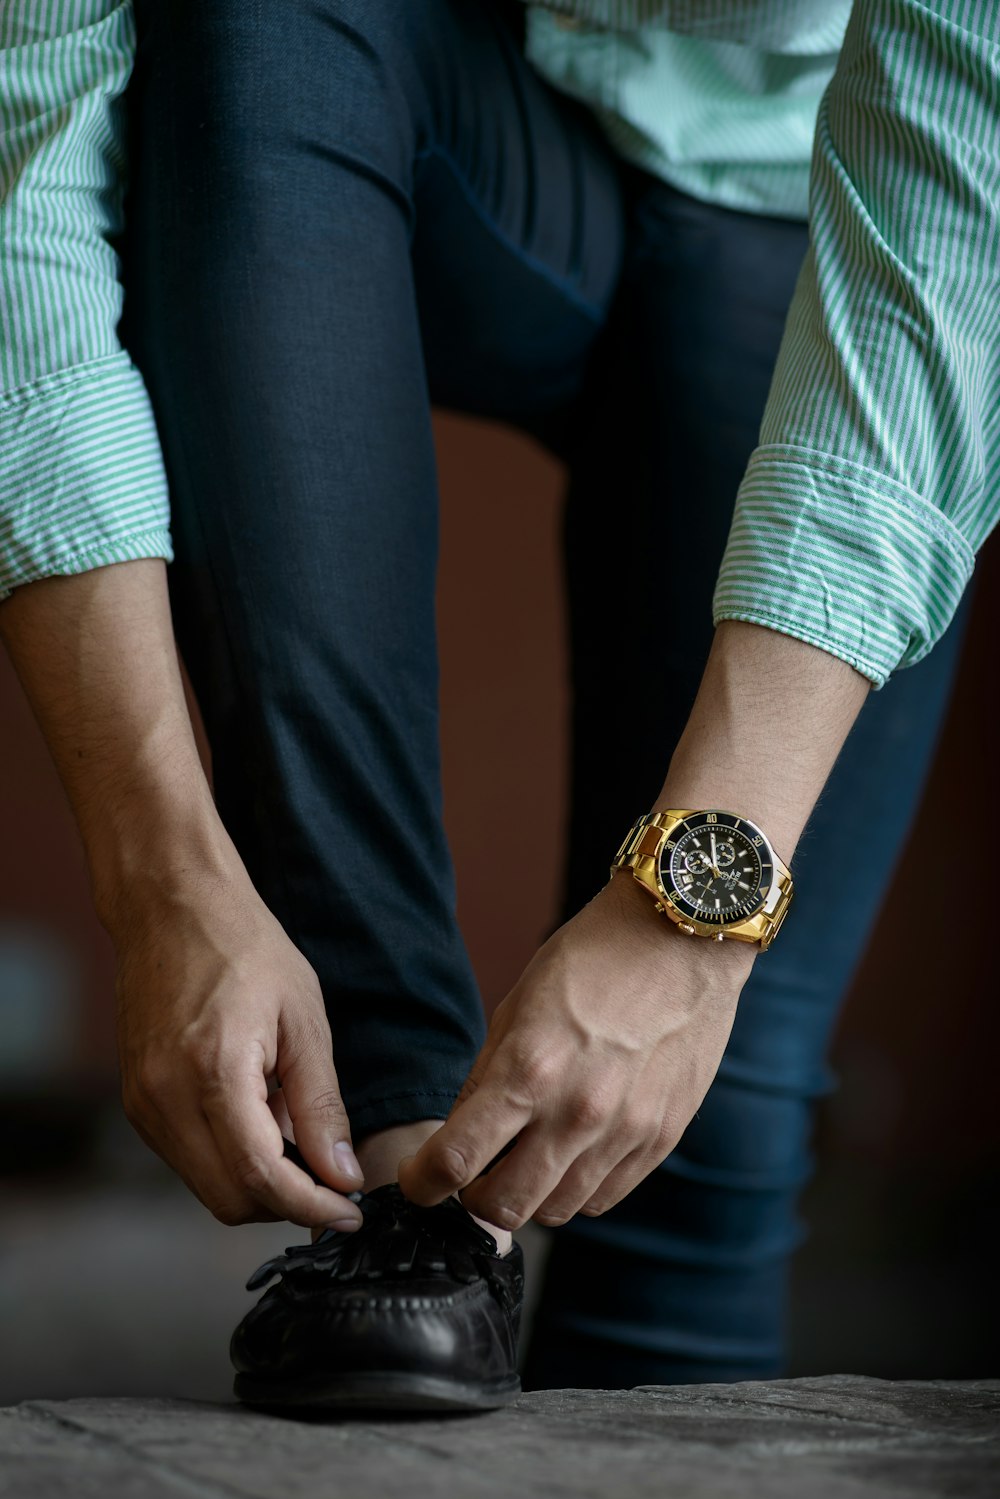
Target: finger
x,y
586,1181
316,1110
163,1106
465,1144
251,1147
279,1108
213,1186
509,1194
621,1181
195,1158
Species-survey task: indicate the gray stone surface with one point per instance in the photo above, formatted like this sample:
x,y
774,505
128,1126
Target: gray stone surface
x,y
835,1438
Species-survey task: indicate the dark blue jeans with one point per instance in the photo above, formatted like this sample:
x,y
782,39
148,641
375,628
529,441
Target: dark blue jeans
x,y
343,211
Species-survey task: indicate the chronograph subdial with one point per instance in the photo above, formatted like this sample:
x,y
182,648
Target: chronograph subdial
x,y
716,868
725,854
697,862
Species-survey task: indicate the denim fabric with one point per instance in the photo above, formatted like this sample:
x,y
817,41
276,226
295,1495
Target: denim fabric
x,y
342,211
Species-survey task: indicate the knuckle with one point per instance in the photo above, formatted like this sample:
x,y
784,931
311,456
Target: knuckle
x,y
451,1165
328,1104
505,1215
612,1191
153,1077
212,1065
191,1044
552,1217
585,1110
531,1071
230,1212
643,1130
595,1208
252,1174
307,1030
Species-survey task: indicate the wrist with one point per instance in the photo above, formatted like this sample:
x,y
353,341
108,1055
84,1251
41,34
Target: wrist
x,y
705,787
769,720
717,964
156,853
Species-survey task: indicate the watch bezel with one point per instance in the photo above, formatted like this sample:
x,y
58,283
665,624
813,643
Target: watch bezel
x,y
681,909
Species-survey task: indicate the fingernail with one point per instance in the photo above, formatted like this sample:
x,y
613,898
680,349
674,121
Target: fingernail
x,y
345,1225
347,1161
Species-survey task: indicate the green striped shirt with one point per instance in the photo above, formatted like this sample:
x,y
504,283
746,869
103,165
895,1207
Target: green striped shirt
x,y
81,477
878,471
718,100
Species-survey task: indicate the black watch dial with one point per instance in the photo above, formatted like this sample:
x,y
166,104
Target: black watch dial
x,y
716,868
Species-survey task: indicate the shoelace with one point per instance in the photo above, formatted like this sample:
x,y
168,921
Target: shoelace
x,y
397,1238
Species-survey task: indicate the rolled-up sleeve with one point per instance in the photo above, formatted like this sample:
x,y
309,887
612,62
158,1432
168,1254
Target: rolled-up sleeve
x,y
877,476
81,474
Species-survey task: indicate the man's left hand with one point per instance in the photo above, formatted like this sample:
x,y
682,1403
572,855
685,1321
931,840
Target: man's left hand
x,y
594,1065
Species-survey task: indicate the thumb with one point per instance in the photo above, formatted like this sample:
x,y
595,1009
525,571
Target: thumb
x,y
312,1096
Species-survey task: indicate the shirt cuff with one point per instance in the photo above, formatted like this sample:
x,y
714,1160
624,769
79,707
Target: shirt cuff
x,y
81,475
843,558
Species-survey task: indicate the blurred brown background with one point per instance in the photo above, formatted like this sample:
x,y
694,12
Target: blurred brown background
x,y
112,1280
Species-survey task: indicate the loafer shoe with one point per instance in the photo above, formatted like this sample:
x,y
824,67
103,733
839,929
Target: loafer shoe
x,y
414,1310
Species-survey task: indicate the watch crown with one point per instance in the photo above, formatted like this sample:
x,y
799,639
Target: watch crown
x,y
686,928
659,906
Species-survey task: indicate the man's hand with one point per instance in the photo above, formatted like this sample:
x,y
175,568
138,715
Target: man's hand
x,y
601,1054
595,1063
216,1010
216,1006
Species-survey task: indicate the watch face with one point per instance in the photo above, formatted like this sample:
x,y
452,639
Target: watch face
x,y
716,868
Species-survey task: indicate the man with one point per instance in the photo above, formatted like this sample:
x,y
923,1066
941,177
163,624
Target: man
x,y
338,212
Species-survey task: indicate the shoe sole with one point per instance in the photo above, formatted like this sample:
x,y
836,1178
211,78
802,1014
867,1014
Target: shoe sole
x,y
373,1390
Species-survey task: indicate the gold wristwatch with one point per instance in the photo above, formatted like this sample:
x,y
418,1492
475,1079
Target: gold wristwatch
x,y
713,873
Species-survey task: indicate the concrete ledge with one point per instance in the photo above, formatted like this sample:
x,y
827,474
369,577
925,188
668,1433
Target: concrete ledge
x,y
837,1438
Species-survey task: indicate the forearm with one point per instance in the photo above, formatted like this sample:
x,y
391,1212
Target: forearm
x,y
96,656
767,725
603,1051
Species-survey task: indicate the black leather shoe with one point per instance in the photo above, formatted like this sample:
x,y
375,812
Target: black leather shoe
x,y
415,1310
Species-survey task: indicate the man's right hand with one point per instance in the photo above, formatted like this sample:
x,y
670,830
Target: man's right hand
x,y
217,1011
217,1007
